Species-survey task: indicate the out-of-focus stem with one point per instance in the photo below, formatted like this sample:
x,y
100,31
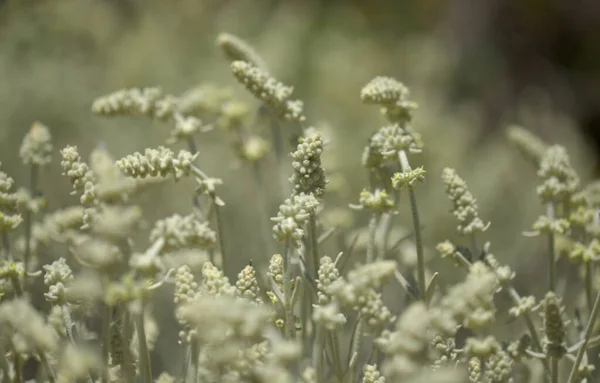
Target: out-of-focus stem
x,y
551,249
144,357
371,249
417,227
106,323
589,284
287,292
33,176
586,338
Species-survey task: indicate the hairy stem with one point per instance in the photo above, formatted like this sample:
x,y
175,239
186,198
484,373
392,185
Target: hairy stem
x,y
551,250
106,323
554,370
218,219
287,291
371,249
589,285
144,357
263,209
128,366
317,352
33,176
417,227
47,367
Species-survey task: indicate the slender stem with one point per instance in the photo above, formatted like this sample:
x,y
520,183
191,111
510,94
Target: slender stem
x,y
314,254
417,227
371,249
18,367
317,352
314,244
47,367
218,219
551,250
589,287
287,292
278,145
586,338
335,350
128,367
419,243
263,209
106,324
4,365
385,230
6,246
29,215
356,345
144,356
195,355
195,200
554,370
68,322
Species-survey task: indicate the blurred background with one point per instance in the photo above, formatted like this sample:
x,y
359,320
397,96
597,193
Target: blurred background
x,y
474,67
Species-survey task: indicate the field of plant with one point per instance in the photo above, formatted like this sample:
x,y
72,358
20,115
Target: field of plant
x,y
224,192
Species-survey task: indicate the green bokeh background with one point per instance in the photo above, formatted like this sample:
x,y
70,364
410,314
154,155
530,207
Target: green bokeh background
x,y
57,56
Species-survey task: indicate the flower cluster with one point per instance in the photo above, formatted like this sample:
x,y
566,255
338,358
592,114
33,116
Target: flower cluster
x,y
275,95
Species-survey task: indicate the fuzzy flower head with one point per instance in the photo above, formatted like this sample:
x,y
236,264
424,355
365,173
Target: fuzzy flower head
x,y
465,207
392,96
392,139
236,49
57,275
309,176
179,232
145,101
247,284
9,217
275,95
292,216
214,282
328,273
36,149
560,182
407,179
159,162
554,326
532,147
377,201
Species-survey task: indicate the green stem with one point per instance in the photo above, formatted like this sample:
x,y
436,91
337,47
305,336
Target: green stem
x,y
589,287
554,370
29,215
219,222
263,209
386,228
68,322
106,323
279,146
317,352
195,355
586,338
6,246
417,227
47,367
144,357
336,354
128,366
551,249
287,292
371,249
356,345
18,367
